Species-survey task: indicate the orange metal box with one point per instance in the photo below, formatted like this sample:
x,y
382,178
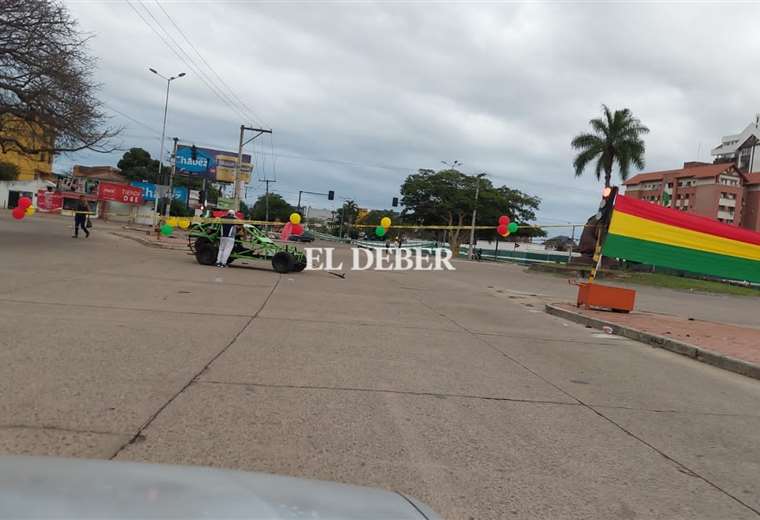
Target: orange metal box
x,y
605,297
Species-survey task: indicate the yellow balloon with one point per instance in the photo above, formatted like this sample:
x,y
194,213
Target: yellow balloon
x,y
295,218
30,210
184,223
172,221
385,222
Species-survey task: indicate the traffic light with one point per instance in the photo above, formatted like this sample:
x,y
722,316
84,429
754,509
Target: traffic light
x,y
394,203
605,206
194,153
331,195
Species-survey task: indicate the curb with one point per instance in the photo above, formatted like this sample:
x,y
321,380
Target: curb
x,y
710,357
146,242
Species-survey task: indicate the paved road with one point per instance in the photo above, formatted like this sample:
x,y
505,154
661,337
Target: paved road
x,y
452,387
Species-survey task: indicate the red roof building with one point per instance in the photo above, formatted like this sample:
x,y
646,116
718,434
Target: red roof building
x,y
713,190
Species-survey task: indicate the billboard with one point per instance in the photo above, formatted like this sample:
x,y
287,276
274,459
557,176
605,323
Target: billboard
x,y
49,201
120,193
148,189
215,165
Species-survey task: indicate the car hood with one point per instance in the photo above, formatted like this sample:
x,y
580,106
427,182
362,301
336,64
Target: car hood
x,y
47,487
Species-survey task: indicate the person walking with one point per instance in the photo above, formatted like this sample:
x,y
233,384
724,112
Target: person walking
x,y
80,217
226,240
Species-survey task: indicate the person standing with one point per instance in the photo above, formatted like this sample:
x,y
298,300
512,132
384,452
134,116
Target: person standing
x,y
226,240
80,217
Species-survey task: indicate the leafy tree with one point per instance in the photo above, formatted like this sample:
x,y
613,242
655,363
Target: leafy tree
x,y
8,171
616,138
47,91
447,198
137,165
279,209
345,217
374,216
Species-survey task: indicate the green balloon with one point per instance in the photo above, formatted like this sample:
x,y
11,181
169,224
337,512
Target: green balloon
x,y
166,230
380,231
512,227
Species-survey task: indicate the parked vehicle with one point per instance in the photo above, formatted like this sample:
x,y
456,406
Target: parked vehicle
x,y
306,236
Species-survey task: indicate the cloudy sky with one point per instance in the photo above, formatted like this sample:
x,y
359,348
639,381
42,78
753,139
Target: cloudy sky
x,y
359,95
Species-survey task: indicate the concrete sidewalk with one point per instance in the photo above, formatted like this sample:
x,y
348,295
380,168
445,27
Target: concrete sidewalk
x,y
726,346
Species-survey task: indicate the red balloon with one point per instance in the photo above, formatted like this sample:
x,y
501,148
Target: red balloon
x,y
24,202
503,220
297,229
502,229
18,212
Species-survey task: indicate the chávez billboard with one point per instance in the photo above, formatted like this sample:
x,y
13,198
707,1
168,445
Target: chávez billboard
x,y
215,165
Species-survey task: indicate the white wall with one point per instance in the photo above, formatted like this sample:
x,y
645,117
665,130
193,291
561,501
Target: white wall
x,y
8,186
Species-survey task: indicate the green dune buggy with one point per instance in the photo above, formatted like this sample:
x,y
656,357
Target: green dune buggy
x,y
252,243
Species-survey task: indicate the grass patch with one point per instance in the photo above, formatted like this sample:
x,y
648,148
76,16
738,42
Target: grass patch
x,y
679,283
686,284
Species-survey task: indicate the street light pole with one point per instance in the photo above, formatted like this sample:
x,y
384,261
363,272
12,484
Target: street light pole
x,y
163,130
474,215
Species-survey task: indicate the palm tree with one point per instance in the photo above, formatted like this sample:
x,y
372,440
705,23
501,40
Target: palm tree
x,y
615,138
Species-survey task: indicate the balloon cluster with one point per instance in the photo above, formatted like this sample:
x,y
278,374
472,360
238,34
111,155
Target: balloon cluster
x,y
506,227
382,229
173,222
23,209
295,224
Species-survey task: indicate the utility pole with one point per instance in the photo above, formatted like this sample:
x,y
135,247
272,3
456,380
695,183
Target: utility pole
x,y
243,128
171,178
266,198
471,252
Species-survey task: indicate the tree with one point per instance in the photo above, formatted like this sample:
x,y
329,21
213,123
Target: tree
x,y
137,165
447,198
8,171
47,91
616,138
345,216
279,209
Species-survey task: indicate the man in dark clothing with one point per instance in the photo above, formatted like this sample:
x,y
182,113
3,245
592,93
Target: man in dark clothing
x,y
80,217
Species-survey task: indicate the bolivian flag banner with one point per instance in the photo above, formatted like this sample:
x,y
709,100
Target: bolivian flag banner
x,y
644,232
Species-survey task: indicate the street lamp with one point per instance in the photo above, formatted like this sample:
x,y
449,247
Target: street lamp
x,y
163,130
474,214
452,165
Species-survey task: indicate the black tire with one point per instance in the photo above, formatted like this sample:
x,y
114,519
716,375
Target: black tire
x,y
205,252
283,262
300,266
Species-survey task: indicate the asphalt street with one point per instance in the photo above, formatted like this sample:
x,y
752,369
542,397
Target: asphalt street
x,y
453,387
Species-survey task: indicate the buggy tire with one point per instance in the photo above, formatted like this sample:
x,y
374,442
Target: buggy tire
x,y
283,262
205,252
300,266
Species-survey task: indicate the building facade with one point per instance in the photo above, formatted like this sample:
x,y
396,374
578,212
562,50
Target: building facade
x,y
712,190
30,166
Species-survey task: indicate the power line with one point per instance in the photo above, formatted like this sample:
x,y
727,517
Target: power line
x,y
145,125
169,46
250,112
190,62
196,68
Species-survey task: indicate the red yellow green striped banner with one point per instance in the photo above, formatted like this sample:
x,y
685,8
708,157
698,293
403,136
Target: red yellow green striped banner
x,y
644,232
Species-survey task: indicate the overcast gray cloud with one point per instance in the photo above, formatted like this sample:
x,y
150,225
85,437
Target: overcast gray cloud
x,y
367,93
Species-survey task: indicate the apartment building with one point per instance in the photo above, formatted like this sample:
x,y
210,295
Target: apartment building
x,y
713,190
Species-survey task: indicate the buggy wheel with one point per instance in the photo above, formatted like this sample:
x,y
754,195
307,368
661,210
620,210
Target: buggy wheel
x,y
205,251
300,266
282,262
